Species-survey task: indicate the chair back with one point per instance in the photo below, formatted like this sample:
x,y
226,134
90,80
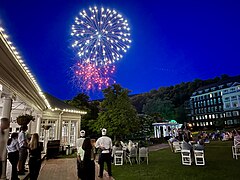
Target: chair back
x,y
186,157
236,147
199,157
133,152
143,155
143,152
176,146
118,157
236,141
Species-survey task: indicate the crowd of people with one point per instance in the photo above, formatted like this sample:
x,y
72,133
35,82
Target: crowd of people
x,y
87,150
19,146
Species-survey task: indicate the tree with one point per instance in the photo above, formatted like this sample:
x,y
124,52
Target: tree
x,y
164,107
81,101
146,127
117,114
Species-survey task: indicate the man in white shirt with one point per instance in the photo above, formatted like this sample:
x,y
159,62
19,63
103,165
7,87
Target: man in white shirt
x,y
105,144
23,149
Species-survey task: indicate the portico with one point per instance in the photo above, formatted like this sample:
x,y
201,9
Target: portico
x,y
20,94
165,129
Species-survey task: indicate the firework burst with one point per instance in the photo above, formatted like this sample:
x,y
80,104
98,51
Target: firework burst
x,y
91,77
100,36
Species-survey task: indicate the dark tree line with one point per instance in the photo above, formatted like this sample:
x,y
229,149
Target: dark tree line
x,y
129,115
170,102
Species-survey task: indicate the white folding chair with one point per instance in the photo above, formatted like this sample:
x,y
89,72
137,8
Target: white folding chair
x,y
186,157
176,147
132,155
118,157
199,157
143,154
236,147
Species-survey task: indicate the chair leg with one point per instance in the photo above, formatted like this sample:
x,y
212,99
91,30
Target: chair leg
x,y
129,159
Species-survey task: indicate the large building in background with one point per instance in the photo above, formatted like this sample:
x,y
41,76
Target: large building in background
x,y
216,105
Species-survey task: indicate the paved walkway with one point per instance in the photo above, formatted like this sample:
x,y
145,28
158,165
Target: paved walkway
x,y
64,169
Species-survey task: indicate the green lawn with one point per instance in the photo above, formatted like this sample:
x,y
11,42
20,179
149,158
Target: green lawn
x,y
164,164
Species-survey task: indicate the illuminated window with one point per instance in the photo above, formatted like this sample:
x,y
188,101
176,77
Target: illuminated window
x,y
227,105
235,104
235,113
229,122
65,132
73,133
225,91
219,100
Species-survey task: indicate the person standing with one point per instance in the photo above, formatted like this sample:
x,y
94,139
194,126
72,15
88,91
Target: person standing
x,y
88,160
34,156
13,154
80,155
79,143
4,125
105,145
23,149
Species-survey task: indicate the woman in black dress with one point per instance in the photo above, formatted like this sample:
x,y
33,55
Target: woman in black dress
x,y
35,157
88,160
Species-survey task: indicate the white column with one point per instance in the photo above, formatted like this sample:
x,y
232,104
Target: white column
x,y
155,133
69,131
6,113
158,131
160,134
59,135
164,131
79,127
38,127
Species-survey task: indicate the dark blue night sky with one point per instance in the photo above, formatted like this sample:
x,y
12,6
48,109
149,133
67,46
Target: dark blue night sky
x,y
173,41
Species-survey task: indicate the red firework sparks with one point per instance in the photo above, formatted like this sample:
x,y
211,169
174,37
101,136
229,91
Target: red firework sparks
x,y
91,77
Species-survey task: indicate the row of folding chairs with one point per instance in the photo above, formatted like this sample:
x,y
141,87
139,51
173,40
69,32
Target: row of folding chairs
x,y
198,157
138,155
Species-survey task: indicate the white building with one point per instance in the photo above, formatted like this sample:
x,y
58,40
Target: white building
x,y
21,94
216,104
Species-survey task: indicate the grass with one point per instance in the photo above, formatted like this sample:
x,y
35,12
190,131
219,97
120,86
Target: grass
x,y
164,164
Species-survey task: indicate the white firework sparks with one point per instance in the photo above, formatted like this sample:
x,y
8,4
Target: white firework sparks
x,y
101,36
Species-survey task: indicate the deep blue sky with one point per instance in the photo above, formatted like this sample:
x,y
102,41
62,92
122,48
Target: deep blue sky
x,y
173,41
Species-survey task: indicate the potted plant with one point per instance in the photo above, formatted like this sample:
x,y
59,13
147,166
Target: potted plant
x,y
24,119
46,127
